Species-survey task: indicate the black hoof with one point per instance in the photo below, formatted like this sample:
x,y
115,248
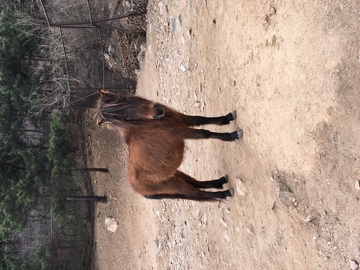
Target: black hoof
x,y
230,192
236,135
240,133
228,118
221,182
225,179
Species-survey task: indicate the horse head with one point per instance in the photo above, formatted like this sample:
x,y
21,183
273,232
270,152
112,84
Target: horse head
x,y
120,110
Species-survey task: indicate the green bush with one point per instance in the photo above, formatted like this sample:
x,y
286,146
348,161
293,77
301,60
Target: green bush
x,y
61,158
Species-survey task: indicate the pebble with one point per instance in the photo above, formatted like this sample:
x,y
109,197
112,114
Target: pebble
x,y
283,191
176,25
240,187
250,230
157,246
111,50
357,184
111,224
309,218
182,67
227,237
354,265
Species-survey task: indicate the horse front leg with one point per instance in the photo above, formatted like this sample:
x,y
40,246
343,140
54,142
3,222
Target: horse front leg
x,y
217,183
191,133
190,120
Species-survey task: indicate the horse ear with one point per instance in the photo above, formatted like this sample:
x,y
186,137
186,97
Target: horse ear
x,y
101,122
104,92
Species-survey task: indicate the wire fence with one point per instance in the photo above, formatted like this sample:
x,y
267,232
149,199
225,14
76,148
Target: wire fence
x,y
92,58
98,41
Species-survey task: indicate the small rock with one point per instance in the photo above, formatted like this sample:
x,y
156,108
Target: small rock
x,y
283,191
240,187
309,218
111,50
227,237
250,230
157,246
354,265
140,44
182,67
107,57
285,197
111,224
176,25
357,184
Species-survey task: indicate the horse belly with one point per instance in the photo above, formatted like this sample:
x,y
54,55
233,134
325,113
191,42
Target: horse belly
x,y
160,159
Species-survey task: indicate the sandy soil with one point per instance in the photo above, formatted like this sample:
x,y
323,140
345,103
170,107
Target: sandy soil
x,y
291,69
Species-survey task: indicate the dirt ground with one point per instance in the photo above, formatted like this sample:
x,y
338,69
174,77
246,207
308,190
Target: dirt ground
x,y
291,69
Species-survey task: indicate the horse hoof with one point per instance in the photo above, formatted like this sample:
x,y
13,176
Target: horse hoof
x,y
231,192
225,120
240,133
234,115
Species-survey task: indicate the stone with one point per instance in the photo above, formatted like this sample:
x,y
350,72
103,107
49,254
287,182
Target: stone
x,y
283,191
309,218
357,184
111,50
111,224
240,187
354,265
182,67
176,25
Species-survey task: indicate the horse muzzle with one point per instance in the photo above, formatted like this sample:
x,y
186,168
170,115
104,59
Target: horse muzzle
x,y
159,111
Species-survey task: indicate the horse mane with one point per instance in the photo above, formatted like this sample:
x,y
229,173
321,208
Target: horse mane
x,y
106,114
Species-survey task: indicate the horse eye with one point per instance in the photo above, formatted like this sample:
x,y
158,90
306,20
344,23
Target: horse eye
x,y
101,122
124,99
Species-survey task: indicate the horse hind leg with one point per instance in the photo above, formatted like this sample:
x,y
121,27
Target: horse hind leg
x,y
199,196
179,186
218,183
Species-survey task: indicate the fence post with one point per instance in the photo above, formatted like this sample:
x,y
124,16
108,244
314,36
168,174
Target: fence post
x,y
102,199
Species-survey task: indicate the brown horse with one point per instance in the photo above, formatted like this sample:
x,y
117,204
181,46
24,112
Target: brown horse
x,y
155,136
